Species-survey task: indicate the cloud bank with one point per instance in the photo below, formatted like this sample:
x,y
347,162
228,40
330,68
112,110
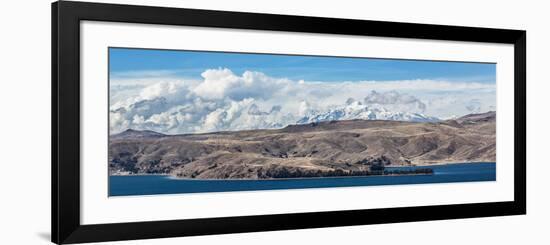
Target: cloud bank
x,y
223,100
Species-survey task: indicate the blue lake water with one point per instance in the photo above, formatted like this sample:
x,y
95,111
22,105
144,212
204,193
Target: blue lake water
x,y
159,184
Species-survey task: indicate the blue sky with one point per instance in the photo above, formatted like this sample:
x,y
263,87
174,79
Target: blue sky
x,y
134,63
188,92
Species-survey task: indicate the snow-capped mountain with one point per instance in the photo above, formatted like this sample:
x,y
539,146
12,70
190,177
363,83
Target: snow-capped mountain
x,y
357,110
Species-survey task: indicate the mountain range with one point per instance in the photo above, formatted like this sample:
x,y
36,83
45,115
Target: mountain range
x,y
324,144
357,110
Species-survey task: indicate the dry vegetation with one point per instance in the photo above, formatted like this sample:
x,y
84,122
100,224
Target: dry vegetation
x,y
320,149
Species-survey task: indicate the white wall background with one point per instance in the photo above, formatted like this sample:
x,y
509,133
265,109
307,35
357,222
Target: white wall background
x,y
25,121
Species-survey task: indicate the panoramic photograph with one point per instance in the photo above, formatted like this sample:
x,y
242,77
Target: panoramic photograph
x,y
184,121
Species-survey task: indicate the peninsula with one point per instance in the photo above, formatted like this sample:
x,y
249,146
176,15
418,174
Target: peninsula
x,y
323,149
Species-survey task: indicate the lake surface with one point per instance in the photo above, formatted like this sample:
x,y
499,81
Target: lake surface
x,y
159,184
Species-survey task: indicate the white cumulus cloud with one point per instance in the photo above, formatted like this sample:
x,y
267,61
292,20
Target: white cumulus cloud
x,y
223,100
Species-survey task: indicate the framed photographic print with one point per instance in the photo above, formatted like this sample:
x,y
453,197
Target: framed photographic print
x,y
177,122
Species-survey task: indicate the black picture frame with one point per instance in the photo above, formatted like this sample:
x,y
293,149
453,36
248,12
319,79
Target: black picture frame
x,y
65,223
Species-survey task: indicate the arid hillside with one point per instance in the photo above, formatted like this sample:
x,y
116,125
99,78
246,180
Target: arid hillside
x,y
308,150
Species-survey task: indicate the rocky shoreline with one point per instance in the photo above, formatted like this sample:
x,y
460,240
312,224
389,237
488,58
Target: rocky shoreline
x,y
326,149
426,171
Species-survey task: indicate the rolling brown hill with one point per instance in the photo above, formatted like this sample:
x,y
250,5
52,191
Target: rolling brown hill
x,y
309,150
